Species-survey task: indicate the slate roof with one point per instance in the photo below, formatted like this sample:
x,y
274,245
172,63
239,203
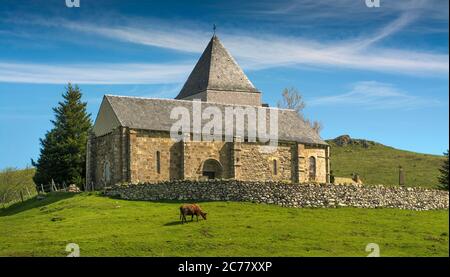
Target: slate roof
x,y
154,114
216,70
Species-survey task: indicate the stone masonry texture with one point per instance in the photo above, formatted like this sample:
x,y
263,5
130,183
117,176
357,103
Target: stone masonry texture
x,y
285,194
131,156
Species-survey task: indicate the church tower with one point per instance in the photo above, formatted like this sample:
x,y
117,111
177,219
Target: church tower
x,y
218,78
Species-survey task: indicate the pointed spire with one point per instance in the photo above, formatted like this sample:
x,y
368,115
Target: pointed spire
x,y
216,70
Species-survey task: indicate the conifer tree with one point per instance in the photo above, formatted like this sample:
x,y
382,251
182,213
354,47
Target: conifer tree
x,y
63,149
443,179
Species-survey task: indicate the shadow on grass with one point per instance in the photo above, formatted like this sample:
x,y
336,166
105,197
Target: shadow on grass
x,y
35,203
178,222
181,202
173,223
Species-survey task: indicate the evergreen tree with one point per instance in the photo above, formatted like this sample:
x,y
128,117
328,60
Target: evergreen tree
x,y
63,149
443,179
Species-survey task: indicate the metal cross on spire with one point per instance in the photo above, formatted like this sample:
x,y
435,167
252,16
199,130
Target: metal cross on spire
x,y
214,29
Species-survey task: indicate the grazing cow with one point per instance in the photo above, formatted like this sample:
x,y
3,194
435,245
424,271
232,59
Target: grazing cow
x,y
191,209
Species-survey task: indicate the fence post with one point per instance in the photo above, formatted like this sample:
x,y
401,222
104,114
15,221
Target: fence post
x,y
42,188
21,195
4,200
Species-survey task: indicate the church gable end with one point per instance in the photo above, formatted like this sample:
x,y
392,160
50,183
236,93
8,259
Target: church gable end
x,y
106,119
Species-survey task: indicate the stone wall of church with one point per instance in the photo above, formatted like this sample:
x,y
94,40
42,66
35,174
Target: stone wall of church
x,y
150,156
320,155
146,148
257,165
198,96
228,97
108,158
196,152
177,160
235,98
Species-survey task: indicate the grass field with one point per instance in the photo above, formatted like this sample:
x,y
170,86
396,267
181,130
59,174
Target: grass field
x,y
378,164
16,184
109,227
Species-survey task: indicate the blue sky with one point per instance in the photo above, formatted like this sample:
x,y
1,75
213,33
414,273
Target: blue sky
x,y
374,73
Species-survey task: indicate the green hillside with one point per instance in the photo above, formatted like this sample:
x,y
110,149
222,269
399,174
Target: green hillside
x,y
104,226
16,184
378,164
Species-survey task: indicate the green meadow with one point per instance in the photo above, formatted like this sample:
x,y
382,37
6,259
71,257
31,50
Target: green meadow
x,y
103,226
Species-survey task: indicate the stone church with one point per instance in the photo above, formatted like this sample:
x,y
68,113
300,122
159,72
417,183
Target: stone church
x,y
131,142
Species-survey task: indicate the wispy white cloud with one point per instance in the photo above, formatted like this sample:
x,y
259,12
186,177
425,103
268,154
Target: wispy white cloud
x,y
182,40
375,95
93,73
390,29
343,10
149,31
272,51
253,51
257,51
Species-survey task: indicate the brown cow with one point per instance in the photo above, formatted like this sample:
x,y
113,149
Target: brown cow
x,y
191,209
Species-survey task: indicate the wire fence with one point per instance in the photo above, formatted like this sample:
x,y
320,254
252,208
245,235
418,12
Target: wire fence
x,y
17,186
15,194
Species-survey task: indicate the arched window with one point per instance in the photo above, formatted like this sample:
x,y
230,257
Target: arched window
x,y
312,168
158,162
275,167
106,173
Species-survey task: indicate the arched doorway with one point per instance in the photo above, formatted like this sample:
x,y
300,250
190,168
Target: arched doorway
x,y
212,169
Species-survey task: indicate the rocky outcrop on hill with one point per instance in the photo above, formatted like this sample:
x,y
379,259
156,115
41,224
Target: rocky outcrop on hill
x,y
345,140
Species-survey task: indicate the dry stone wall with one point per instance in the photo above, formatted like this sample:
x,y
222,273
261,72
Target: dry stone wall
x,y
287,195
